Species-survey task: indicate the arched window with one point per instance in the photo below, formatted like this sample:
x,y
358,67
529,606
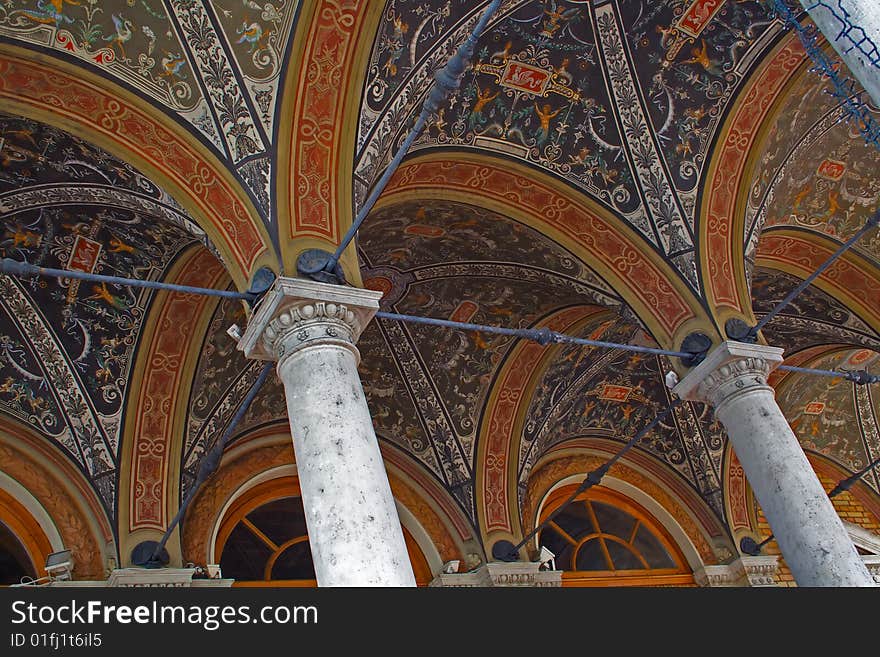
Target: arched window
x,y
263,540
604,538
14,561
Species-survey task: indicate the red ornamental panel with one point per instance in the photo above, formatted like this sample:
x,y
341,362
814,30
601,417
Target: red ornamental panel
x,y
831,170
84,255
699,15
525,78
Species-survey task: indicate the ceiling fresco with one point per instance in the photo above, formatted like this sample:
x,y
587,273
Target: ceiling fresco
x,y
426,387
591,392
214,66
812,318
620,98
67,347
833,194
835,417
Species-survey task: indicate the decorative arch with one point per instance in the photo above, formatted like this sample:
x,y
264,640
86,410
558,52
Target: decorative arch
x,y
266,455
604,242
64,494
501,425
698,533
15,517
851,279
102,112
155,414
725,191
317,126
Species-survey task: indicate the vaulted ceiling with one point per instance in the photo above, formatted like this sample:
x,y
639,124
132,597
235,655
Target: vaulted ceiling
x,y
626,170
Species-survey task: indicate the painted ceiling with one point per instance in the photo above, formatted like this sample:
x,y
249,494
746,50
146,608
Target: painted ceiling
x,y
831,194
620,100
215,66
66,347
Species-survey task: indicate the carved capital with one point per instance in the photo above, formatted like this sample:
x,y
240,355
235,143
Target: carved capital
x,y
732,368
297,313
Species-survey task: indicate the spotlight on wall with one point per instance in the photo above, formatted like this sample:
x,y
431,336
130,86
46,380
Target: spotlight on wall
x,y
547,559
59,565
234,332
451,566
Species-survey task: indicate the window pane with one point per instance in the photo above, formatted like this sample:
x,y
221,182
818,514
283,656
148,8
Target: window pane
x,y
280,520
622,557
553,541
575,520
652,550
14,560
613,521
244,555
591,557
294,563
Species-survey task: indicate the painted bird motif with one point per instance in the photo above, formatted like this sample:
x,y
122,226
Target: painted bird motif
x,y
171,65
123,33
48,13
251,34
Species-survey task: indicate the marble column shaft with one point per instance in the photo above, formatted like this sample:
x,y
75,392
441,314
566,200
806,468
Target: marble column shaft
x,y
810,534
311,329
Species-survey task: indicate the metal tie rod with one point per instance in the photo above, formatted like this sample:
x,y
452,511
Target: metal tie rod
x,y
871,223
543,336
208,466
447,80
26,270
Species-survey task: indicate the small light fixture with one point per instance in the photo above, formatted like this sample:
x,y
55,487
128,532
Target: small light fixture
x,y
547,558
451,566
59,565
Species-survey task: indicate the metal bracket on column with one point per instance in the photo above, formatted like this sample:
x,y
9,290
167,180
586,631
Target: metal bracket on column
x,y
748,546
697,345
738,330
260,284
862,377
320,266
503,550
146,555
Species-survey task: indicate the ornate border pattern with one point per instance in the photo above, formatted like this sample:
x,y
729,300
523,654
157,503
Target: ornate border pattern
x,y
154,424
138,135
601,240
725,180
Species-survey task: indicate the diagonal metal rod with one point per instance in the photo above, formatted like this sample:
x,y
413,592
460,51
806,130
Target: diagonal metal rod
x,y
869,225
862,377
12,267
447,80
842,486
211,460
592,479
542,336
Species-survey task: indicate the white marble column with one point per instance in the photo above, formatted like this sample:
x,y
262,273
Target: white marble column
x,y
813,540
864,17
311,329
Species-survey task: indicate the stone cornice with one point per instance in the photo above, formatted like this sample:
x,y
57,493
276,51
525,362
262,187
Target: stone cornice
x,y
745,571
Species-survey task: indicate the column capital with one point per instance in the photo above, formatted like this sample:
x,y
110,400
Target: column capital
x,y
297,312
729,368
